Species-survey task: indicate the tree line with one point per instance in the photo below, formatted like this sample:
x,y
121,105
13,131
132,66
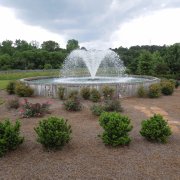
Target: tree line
x,y
161,61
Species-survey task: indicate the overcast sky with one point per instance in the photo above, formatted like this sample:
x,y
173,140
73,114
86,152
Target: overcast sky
x,y
94,23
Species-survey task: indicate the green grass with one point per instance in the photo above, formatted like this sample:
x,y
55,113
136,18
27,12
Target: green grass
x,y
5,77
3,84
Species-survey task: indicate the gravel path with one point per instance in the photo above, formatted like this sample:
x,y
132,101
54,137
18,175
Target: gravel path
x,y
86,157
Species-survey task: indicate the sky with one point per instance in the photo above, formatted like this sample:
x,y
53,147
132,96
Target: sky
x,y
96,24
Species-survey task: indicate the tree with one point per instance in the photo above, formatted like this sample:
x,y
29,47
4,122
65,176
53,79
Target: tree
x,y
145,63
7,47
50,46
22,45
72,44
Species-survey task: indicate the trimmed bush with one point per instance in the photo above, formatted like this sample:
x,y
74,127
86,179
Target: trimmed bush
x,y
116,128
61,91
10,137
154,90
85,92
13,103
23,90
141,92
167,87
155,129
112,105
97,109
73,94
10,88
95,95
73,104
108,92
34,110
53,133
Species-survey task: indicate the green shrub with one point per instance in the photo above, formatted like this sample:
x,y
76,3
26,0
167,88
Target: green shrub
x,y
53,133
10,88
95,95
141,92
61,91
85,92
10,137
34,110
155,129
177,84
13,103
167,87
23,90
107,92
97,109
73,104
116,128
154,90
113,105
73,94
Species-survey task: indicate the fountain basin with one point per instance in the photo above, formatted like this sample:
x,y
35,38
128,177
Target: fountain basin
x,y
125,86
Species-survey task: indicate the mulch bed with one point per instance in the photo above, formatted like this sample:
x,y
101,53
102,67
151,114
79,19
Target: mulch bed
x,y
86,157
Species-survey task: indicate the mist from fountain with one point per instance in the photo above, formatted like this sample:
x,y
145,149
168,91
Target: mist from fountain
x,y
82,63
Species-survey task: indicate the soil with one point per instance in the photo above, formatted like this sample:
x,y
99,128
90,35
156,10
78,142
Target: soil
x,y
86,157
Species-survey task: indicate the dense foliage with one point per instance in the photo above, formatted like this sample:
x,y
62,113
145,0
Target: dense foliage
x,y
155,129
53,133
10,137
108,92
95,95
116,128
154,90
23,90
161,61
167,87
85,92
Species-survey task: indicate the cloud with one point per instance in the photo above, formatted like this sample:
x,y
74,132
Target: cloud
x,y
85,20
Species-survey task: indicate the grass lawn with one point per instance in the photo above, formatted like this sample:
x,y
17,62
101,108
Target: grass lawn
x,y
10,76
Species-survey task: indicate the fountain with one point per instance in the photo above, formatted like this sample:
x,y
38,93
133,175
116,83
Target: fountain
x,y
92,68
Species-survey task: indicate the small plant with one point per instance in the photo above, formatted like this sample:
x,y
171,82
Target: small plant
x,y
23,90
95,95
154,90
141,92
155,129
167,87
10,137
177,84
113,105
10,88
73,94
1,101
53,133
116,128
97,109
13,103
85,92
34,110
61,91
107,92
73,104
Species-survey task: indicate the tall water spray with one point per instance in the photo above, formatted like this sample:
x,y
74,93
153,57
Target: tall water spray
x,y
92,62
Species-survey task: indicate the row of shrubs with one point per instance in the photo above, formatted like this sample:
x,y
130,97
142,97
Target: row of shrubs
x,y
165,87
19,88
54,132
88,94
